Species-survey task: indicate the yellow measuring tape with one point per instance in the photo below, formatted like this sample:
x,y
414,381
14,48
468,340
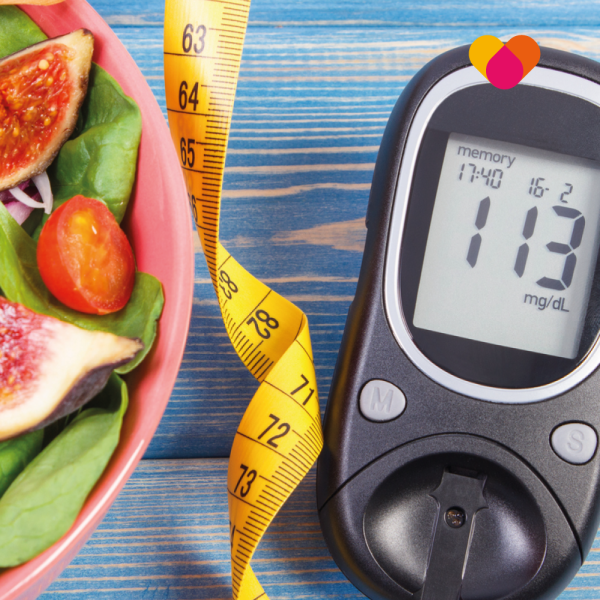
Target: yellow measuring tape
x,y
279,437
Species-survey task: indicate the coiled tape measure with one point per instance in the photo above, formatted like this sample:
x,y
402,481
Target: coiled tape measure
x,y
279,437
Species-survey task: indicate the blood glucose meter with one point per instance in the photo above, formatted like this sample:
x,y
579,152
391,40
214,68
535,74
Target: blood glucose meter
x,y
461,431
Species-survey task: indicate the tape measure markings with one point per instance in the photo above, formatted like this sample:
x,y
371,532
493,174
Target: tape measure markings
x,y
266,463
285,460
291,398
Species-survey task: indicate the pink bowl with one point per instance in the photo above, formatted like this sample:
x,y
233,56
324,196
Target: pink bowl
x,y
159,227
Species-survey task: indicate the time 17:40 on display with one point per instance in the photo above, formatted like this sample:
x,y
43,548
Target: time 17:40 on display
x,y
493,177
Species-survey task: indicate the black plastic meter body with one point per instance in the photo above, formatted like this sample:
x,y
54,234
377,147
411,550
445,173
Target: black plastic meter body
x,y
461,431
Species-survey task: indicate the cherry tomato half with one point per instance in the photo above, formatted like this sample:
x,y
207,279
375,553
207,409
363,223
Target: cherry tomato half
x,y
84,257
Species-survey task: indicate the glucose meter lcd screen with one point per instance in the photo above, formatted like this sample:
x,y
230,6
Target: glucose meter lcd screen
x,y
512,246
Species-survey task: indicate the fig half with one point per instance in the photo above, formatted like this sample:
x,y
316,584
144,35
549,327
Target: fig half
x,y
41,90
49,368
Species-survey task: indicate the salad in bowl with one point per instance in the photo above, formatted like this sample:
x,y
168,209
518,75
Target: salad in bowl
x,y
96,276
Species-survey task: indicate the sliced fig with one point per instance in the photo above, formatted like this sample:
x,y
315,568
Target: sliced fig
x,y
41,90
49,368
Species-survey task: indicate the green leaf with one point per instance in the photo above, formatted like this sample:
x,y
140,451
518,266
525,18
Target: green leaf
x,y
45,499
17,30
21,282
16,454
100,159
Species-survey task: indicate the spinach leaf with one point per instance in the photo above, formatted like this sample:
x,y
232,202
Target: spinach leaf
x,y
17,30
16,454
21,282
45,499
100,159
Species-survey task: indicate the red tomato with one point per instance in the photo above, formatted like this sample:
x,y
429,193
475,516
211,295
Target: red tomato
x,y
85,259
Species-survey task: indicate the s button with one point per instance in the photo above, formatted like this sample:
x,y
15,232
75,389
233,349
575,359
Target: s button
x,y
575,443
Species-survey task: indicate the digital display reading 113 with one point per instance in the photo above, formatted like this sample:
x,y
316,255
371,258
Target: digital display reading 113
x,y
512,246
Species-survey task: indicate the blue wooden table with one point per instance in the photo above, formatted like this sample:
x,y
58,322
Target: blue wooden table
x,y
318,81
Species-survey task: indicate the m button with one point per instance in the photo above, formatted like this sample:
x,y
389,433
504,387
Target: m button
x,y
381,401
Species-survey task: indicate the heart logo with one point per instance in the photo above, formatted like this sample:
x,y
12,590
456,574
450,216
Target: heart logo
x,y
504,65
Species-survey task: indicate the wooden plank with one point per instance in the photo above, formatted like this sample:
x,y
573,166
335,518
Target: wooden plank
x,y
166,537
385,13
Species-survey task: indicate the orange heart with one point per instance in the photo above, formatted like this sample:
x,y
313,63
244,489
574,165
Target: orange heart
x,y
526,50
